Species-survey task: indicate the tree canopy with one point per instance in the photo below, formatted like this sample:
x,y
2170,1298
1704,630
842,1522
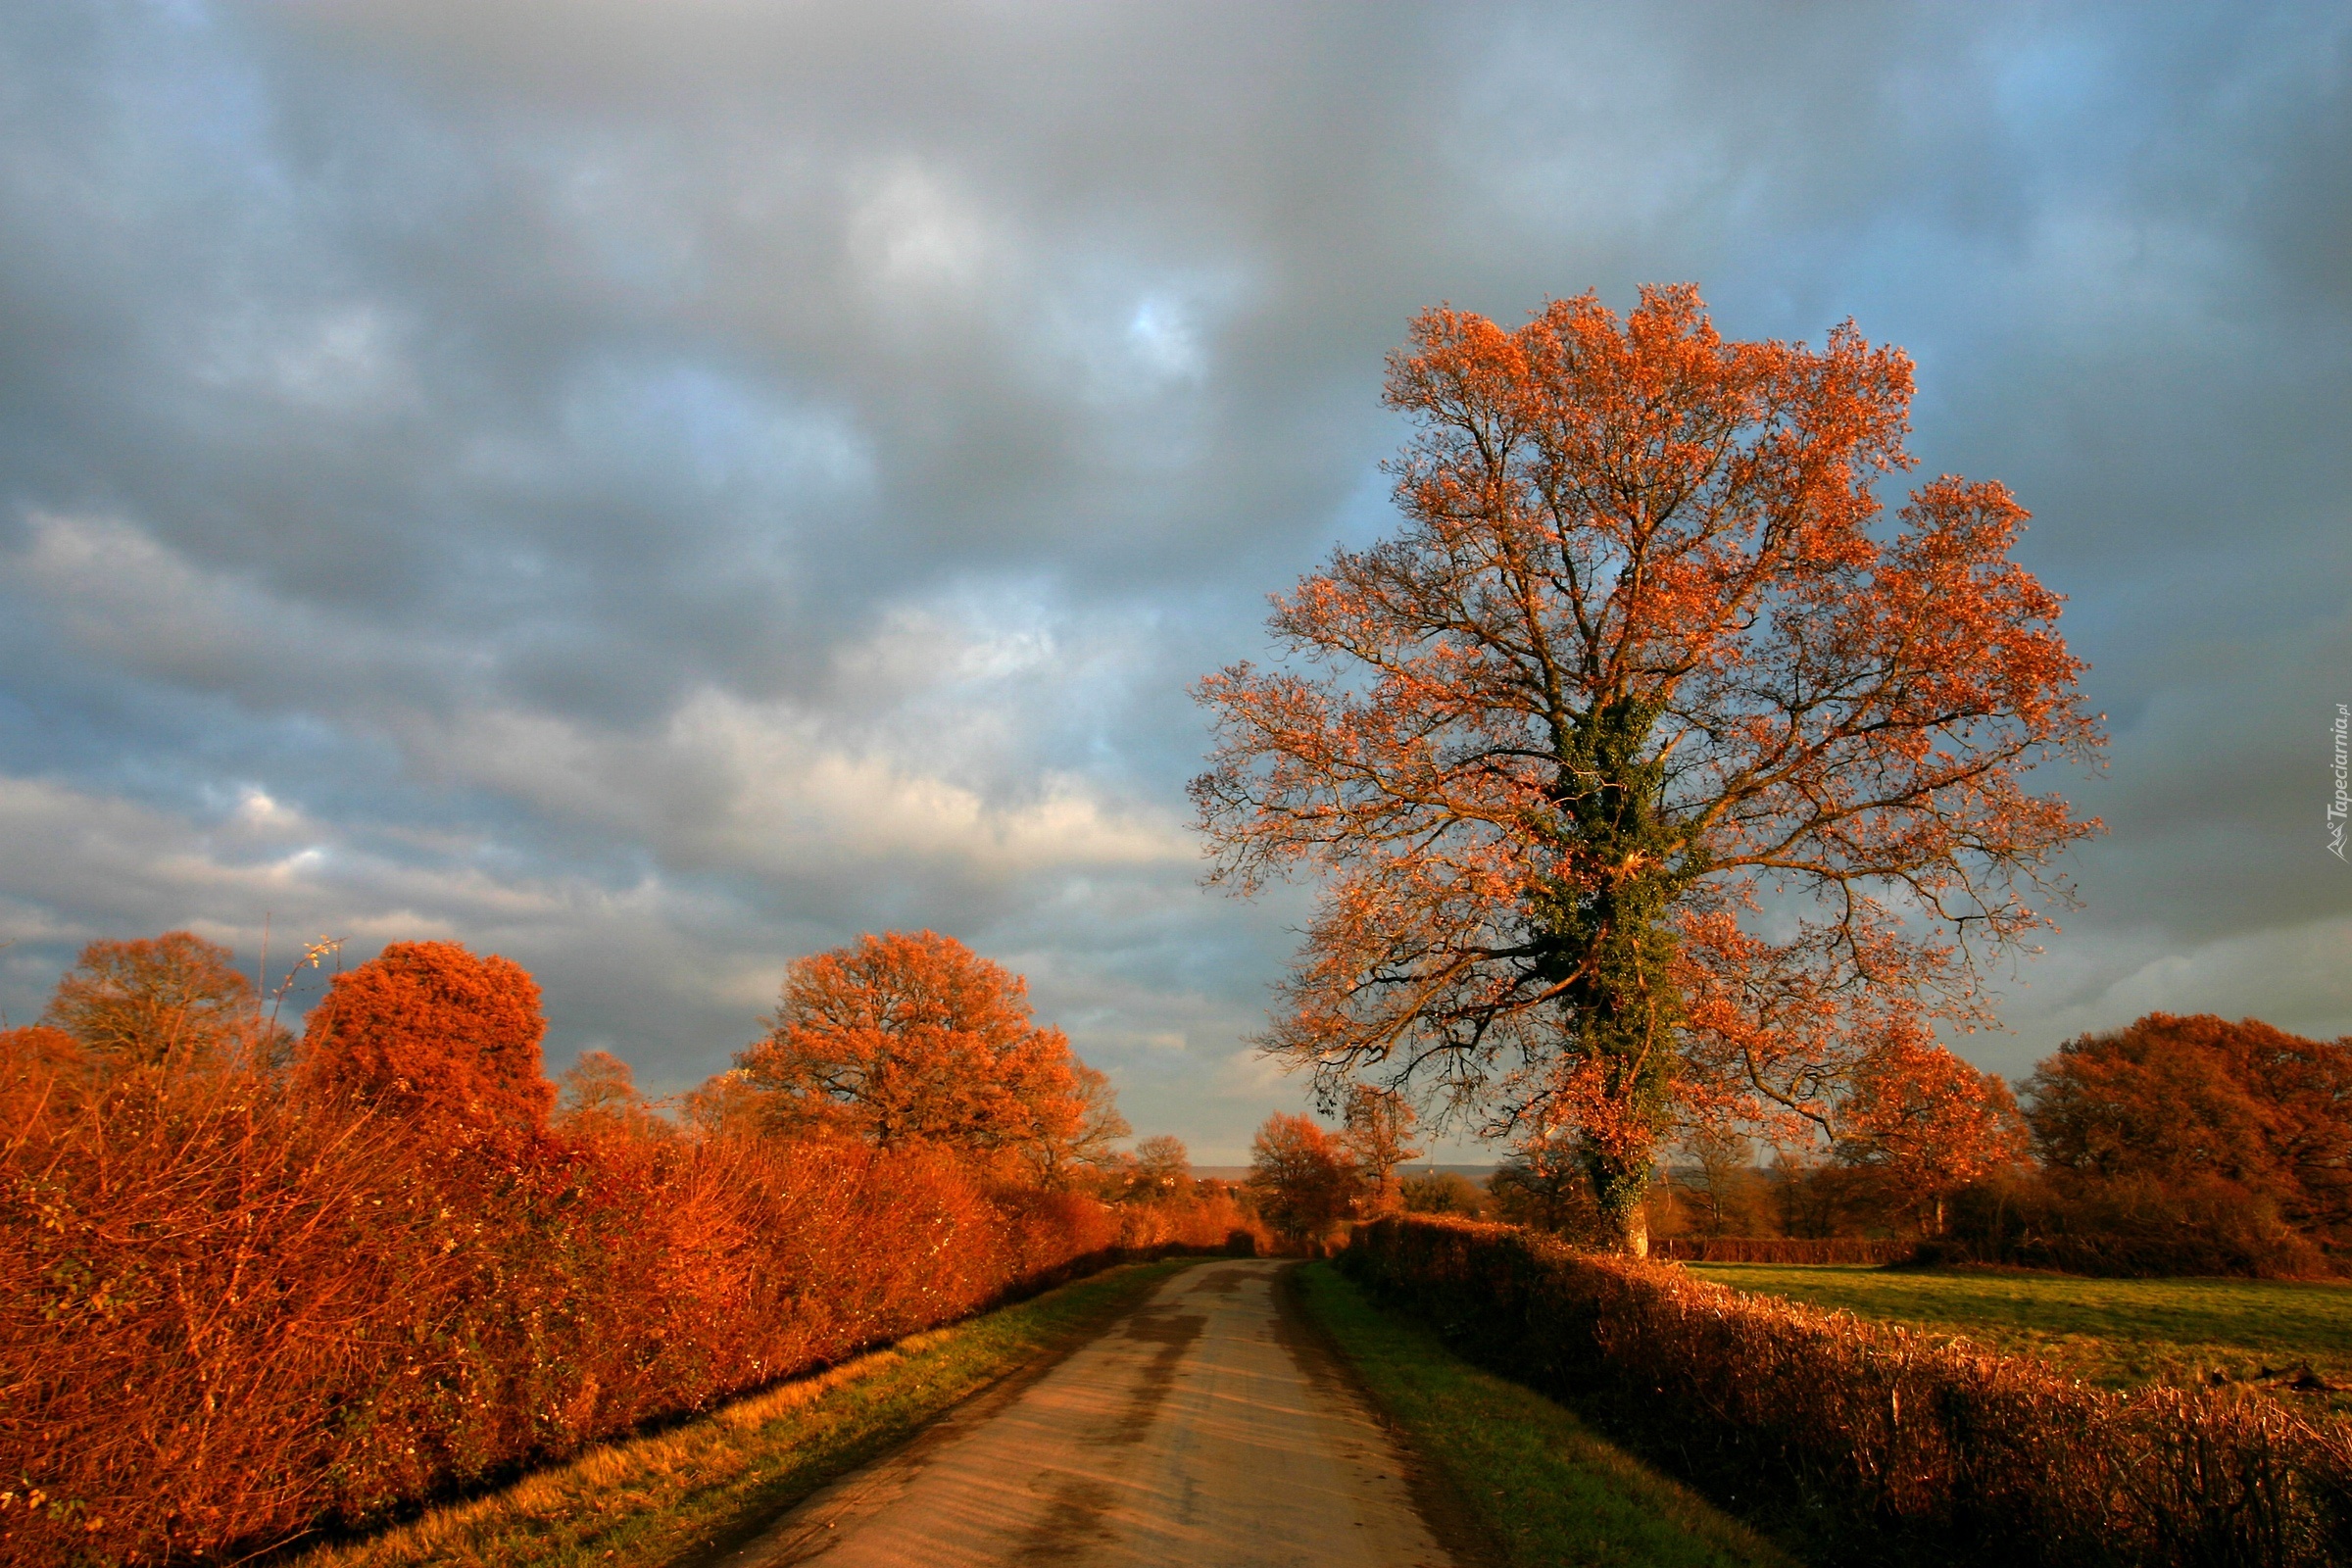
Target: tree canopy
x,y
1919,1122
173,999
431,1031
2175,1100
1305,1179
1646,665
911,1037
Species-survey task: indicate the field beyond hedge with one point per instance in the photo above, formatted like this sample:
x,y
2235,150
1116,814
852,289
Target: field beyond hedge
x,y
2115,1333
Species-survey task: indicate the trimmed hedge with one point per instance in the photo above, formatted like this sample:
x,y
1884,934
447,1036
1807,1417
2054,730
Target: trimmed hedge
x,y
1778,1249
1902,1438
226,1322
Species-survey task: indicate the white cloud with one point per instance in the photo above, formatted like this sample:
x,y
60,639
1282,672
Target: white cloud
x,y
764,787
2298,978
914,235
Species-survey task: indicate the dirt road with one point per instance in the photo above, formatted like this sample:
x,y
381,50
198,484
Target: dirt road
x,y
1206,1428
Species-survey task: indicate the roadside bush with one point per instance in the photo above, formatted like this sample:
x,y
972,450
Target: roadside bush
x,y
1441,1192
230,1317
1907,1443
1201,1221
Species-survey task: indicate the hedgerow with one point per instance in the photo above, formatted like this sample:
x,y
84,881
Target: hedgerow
x,y
230,1317
1897,1437
1780,1250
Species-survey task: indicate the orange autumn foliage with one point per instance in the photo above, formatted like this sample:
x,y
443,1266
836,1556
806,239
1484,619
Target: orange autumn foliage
x,y
427,1031
1644,654
230,1317
1921,1123
38,1051
172,997
238,1305
2241,1109
911,1037
1303,1178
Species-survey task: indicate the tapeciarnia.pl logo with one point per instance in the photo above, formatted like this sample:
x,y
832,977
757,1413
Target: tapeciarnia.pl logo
x,y
2342,804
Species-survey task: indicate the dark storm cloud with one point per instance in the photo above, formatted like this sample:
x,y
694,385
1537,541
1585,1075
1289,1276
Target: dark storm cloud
x,y
656,490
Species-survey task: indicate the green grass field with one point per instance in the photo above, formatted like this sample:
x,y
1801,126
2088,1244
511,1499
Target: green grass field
x,y
689,1494
1544,1485
2115,1333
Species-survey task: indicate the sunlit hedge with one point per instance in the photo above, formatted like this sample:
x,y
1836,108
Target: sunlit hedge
x,y
1898,1436
226,1320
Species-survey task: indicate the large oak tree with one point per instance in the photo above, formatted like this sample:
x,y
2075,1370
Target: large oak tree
x,y
1652,768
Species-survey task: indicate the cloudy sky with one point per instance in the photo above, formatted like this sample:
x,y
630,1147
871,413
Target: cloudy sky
x,y
654,490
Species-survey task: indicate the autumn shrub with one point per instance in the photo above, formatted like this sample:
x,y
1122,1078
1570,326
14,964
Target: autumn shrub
x,y
1906,1441
1199,1221
232,1314
435,1034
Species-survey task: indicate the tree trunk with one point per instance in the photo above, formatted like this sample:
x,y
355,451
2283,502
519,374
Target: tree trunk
x,y
1619,1186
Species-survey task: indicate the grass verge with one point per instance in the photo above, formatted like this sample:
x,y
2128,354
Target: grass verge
x,y
1545,1486
2116,1334
706,1486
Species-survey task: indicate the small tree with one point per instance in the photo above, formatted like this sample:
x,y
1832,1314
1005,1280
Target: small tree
x,y
725,1104
1545,1185
1643,653
1378,1132
597,1096
174,999
1919,1123
1810,1195
428,1030
1723,1163
1162,1170
1441,1192
1302,1177
1085,1148
913,1038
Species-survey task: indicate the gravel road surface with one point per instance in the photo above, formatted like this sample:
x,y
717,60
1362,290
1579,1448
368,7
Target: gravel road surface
x,y
1207,1427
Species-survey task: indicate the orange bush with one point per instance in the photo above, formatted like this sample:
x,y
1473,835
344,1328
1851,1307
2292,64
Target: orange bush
x,y
229,1315
426,1030
1200,1221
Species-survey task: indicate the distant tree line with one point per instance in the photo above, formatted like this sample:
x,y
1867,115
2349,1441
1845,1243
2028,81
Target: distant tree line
x,y
2179,1145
